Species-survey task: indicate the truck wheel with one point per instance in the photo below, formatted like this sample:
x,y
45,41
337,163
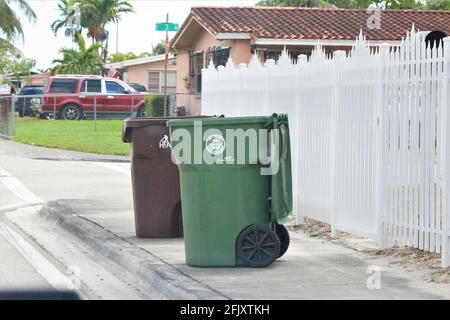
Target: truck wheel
x,y
257,246
285,239
71,112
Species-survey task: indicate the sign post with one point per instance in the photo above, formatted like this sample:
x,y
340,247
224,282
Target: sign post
x,y
166,26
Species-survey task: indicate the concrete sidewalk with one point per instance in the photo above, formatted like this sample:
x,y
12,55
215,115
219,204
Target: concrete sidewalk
x,y
90,198
311,269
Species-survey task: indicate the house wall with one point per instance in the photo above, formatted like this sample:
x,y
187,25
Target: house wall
x,y
39,80
139,73
182,98
241,51
185,96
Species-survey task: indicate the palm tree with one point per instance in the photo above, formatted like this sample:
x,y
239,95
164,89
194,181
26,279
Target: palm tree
x,y
98,13
10,24
95,15
119,56
85,60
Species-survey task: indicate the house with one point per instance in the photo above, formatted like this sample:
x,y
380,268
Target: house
x,y
39,78
148,71
217,33
34,78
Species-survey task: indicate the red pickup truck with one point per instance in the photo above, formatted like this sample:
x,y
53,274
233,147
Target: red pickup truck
x,y
76,97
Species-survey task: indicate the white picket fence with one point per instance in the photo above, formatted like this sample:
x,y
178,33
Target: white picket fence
x,y
368,132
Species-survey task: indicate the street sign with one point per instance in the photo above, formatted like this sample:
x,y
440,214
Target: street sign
x,y
167,26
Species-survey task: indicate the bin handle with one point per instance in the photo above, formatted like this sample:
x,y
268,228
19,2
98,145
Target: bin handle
x,y
283,155
269,204
284,145
280,122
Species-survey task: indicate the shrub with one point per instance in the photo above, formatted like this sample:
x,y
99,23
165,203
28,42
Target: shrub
x,y
154,105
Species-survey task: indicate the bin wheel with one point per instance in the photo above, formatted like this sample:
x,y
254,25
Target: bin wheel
x,y
285,239
258,246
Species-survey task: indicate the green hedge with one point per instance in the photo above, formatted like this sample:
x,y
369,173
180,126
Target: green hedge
x,y
154,105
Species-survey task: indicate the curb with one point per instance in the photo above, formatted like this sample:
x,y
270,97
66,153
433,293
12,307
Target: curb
x,y
157,277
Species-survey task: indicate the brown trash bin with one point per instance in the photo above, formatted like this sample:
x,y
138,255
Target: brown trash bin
x,y
155,178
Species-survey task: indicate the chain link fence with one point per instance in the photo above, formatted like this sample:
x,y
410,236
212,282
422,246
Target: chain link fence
x,y
93,106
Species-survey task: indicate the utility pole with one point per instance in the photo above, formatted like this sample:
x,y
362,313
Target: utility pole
x,y
117,37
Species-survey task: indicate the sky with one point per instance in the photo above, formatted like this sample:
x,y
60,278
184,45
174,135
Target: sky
x,y
136,30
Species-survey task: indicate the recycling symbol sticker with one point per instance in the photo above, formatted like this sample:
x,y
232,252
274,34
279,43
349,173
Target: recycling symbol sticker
x,y
215,144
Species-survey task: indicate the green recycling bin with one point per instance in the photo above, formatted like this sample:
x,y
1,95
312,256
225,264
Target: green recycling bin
x,y
236,189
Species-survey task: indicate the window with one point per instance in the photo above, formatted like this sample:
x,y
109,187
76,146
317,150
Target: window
x,y
171,81
293,54
272,54
218,55
196,66
64,85
114,87
156,81
91,86
31,90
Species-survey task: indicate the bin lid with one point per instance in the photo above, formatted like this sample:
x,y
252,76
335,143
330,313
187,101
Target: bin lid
x,y
219,121
130,123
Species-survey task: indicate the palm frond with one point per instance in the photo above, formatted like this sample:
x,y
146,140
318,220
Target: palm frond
x,y
25,7
10,24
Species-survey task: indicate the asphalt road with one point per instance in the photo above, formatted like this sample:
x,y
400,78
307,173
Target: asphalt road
x,y
30,176
16,273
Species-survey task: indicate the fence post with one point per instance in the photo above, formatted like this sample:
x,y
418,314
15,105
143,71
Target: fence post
x,y
173,102
95,112
54,106
23,106
380,131
445,122
338,58
13,115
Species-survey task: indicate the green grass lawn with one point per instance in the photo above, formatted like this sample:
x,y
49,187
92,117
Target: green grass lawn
x,y
73,135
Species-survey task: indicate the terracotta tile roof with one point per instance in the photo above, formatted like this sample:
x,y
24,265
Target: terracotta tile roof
x,y
315,23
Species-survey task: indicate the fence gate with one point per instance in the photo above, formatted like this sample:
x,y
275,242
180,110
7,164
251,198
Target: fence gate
x,y
414,133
